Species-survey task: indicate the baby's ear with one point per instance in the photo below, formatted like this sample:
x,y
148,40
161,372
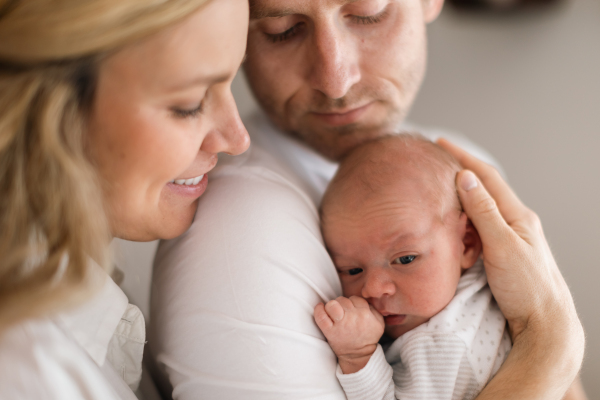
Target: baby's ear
x,y
471,242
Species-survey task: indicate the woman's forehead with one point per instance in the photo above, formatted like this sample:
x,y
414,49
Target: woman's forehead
x,y
187,53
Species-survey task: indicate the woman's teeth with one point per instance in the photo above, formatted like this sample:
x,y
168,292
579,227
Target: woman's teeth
x,y
188,182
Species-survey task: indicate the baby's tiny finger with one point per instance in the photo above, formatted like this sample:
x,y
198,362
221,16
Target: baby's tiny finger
x,y
377,314
359,302
334,310
322,319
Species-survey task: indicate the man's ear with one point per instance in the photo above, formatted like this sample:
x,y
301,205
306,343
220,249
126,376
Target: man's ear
x,y
472,244
431,9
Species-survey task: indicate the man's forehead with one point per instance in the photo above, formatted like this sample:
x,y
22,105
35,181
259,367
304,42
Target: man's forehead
x,y
280,8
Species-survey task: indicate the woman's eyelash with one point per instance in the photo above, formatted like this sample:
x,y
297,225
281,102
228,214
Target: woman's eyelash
x,y
369,19
283,36
187,113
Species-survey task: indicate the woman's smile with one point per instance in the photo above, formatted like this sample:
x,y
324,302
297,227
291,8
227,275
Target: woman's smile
x,y
195,188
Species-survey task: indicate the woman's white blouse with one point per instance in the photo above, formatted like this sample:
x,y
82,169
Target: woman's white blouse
x,y
91,352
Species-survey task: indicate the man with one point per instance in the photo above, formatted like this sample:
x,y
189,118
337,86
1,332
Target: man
x,y
232,298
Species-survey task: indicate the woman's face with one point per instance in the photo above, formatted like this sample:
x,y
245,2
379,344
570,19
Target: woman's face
x,y
162,111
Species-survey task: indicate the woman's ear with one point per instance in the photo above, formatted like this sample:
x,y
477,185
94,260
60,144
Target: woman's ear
x,y
431,9
472,244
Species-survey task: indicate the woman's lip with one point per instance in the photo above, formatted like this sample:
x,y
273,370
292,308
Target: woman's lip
x,y
395,319
345,118
189,181
193,191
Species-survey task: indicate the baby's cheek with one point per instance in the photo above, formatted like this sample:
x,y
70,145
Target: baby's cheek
x,y
349,289
436,300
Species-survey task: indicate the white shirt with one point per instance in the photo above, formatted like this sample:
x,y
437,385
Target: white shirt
x,y
92,352
452,356
232,299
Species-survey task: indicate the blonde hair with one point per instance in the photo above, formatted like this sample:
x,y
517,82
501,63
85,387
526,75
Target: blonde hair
x,y
52,220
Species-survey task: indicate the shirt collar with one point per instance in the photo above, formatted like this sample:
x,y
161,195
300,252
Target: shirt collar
x,y
93,323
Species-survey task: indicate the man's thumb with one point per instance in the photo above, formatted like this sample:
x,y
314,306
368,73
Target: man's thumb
x,y
481,209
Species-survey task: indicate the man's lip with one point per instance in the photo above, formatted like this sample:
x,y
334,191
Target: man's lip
x,y
394,319
342,117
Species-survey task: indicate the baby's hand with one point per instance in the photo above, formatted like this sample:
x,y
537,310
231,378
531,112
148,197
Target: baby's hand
x,y
352,328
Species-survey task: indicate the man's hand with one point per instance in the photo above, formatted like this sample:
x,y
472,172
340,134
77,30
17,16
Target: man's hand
x,y
548,339
352,328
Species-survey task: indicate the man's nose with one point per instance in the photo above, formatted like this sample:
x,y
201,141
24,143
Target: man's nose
x,y
378,284
335,66
229,135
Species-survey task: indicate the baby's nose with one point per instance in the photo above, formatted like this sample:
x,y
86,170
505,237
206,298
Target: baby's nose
x,y
378,285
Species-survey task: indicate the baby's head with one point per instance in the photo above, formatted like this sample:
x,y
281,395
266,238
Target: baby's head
x,y
394,227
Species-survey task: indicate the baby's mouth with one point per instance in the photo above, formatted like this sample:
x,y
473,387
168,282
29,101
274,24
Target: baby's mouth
x,y
394,319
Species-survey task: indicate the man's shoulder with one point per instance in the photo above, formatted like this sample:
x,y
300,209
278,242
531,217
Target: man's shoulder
x,y
257,193
252,214
254,173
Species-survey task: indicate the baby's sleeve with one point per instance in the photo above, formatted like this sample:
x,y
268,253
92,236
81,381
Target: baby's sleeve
x,y
373,382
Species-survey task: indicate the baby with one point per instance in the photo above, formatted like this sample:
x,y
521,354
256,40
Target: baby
x,y
407,257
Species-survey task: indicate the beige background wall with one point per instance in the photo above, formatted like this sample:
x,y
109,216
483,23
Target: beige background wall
x,y
528,90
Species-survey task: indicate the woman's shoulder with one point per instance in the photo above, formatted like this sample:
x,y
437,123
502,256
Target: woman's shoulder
x,y
40,361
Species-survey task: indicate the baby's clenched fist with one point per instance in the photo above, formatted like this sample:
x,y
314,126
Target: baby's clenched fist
x,y
352,328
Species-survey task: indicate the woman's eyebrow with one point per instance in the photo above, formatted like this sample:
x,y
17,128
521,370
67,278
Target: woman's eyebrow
x,y
199,80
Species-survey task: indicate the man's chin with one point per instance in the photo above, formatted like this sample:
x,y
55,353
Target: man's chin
x,y
335,142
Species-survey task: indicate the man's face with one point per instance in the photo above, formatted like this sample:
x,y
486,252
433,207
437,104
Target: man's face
x,y
336,73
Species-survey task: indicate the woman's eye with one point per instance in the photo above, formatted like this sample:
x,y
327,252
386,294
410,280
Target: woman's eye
x,y
404,260
286,35
354,271
187,113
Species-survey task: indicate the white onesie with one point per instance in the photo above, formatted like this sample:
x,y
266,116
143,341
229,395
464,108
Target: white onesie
x,y
452,356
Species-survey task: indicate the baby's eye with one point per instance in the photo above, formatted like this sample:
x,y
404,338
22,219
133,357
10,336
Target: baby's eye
x,y
355,271
404,260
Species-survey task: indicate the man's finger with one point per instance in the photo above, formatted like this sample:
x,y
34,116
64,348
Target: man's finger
x,y
334,310
509,205
482,210
322,319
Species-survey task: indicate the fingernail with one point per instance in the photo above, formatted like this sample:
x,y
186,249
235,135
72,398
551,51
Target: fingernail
x,y
468,181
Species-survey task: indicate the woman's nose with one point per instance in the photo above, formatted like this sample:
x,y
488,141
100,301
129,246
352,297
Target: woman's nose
x,y
378,284
335,67
228,135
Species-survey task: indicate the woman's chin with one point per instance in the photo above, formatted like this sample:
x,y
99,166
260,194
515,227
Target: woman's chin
x,y
177,224
161,224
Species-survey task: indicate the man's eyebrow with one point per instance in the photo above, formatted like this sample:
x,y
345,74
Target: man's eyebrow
x,y
266,12
258,12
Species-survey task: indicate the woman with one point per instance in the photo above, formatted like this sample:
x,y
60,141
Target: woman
x,y
111,114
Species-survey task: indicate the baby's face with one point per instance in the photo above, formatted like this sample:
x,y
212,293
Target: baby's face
x,y
400,252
